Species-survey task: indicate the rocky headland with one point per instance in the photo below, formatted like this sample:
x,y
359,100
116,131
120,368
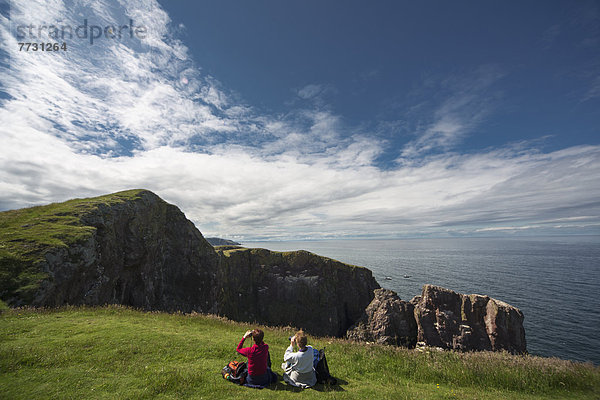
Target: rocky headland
x,y
215,241
133,248
442,318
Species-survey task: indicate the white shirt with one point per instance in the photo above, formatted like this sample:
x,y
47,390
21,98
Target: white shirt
x,y
301,361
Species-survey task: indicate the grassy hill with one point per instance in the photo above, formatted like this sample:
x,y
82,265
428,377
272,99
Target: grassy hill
x,y
115,352
28,233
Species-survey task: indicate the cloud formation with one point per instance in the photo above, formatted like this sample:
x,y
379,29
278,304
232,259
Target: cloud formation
x,y
141,114
464,107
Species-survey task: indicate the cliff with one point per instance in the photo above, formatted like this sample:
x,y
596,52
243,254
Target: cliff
x,y
135,249
128,248
299,288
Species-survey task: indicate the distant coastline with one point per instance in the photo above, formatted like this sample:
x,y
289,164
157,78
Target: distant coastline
x,y
215,241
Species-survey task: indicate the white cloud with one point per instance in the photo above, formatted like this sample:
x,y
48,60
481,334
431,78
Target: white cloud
x,y
234,172
465,105
236,193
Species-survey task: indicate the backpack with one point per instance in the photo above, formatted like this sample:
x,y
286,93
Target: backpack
x,y
322,369
235,372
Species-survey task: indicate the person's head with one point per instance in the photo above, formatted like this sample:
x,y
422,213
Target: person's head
x,y
301,339
258,336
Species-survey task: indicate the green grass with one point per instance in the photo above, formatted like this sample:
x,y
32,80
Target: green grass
x,y
115,352
27,234
24,232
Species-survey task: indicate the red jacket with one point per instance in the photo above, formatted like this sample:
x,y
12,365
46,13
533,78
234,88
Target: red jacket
x,y
257,357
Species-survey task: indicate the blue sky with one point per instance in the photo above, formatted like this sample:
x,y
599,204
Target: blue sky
x,y
375,63
308,120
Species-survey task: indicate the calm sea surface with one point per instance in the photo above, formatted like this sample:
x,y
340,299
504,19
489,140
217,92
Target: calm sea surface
x,y
555,281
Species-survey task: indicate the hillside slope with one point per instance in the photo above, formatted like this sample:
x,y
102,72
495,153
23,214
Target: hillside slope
x,y
118,353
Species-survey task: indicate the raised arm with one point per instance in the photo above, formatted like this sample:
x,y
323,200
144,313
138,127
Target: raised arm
x,y
240,349
289,354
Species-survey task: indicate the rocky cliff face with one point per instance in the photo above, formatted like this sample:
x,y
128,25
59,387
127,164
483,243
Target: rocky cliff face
x,y
442,318
133,248
387,320
468,322
320,295
142,252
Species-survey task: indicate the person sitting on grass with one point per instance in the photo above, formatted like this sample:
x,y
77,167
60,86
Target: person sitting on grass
x,y
298,366
259,362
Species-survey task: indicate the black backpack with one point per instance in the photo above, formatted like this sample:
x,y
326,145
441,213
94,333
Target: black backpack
x,y
322,369
235,372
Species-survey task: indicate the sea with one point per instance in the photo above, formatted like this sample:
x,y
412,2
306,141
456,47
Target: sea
x,y
554,281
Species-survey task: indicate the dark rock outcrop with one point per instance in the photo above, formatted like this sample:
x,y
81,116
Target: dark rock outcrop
x,y
142,252
452,320
387,320
442,318
318,294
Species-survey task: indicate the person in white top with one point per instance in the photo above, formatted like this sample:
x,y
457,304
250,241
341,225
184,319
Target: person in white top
x,y
298,366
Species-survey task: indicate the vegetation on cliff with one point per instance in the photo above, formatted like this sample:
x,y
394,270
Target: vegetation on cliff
x,y
135,249
119,353
27,234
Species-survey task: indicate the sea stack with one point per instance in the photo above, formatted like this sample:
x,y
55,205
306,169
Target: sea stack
x,y
457,321
387,320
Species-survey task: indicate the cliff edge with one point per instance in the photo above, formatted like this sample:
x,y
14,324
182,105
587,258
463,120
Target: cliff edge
x,y
135,249
128,248
321,295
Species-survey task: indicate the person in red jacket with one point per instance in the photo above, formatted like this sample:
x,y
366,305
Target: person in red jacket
x,y
259,362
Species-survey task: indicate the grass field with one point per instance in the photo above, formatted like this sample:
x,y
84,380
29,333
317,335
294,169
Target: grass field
x,y
118,353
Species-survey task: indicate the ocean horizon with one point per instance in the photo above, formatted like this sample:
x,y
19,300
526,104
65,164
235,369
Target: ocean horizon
x,y
554,280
